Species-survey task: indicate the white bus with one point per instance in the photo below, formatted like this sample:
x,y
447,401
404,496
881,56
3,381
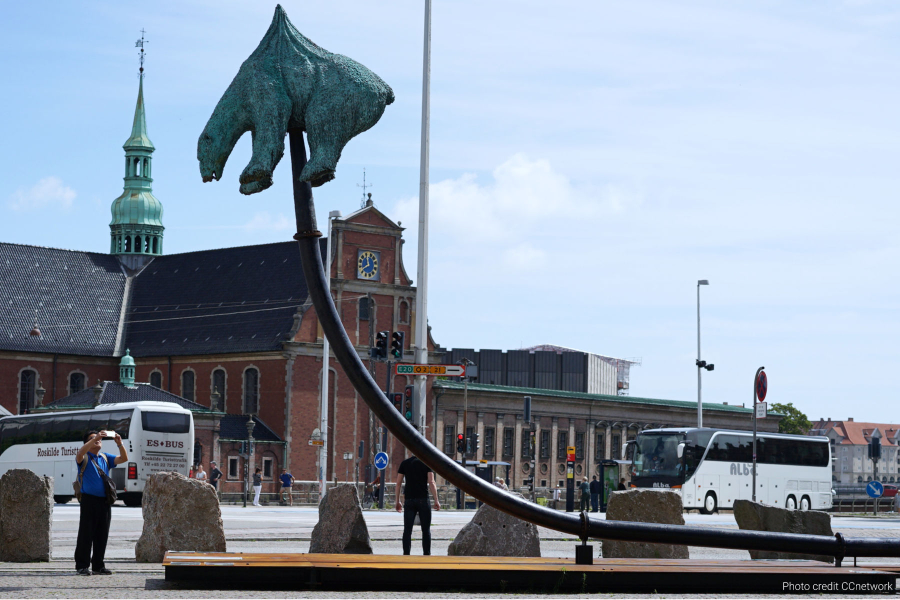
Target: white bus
x,y
713,467
159,436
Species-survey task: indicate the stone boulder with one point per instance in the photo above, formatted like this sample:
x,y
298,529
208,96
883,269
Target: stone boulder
x,y
341,528
180,514
26,515
759,517
495,533
644,505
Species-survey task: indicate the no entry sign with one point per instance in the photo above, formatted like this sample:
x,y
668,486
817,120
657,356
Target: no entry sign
x,y
762,386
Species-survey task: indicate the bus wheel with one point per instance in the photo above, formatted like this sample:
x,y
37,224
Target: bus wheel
x,y
62,499
709,504
132,498
804,503
790,503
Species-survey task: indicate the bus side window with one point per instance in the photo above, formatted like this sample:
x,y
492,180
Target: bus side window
x,y
120,422
80,425
42,430
59,430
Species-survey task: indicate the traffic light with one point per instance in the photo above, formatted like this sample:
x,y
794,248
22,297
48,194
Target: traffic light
x,y
875,448
397,400
461,443
530,483
380,349
408,396
397,344
475,443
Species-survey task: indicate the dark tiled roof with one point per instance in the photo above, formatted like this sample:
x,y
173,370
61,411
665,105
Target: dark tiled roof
x,y
227,300
115,392
75,297
234,427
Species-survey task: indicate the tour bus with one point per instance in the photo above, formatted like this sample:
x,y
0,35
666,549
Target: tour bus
x,y
159,436
713,467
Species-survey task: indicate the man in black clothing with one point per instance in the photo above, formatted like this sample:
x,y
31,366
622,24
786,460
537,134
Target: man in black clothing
x,y
596,489
214,475
418,479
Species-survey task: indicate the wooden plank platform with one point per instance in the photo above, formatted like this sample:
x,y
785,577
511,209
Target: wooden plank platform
x,y
500,574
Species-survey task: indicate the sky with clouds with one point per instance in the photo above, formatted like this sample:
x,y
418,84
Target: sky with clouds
x,y
589,163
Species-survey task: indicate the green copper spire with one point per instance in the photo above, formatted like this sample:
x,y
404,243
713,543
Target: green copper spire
x,y
139,138
126,369
136,227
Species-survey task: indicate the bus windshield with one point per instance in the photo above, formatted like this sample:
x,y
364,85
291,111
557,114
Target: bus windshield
x,y
656,455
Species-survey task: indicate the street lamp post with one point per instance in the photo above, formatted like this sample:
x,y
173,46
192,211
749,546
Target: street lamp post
x,y
701,364
247,458
323,411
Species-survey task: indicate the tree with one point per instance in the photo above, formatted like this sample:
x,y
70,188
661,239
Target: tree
x,y
793,420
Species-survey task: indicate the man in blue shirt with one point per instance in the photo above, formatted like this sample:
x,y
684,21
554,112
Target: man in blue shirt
x,y
286,481
95,515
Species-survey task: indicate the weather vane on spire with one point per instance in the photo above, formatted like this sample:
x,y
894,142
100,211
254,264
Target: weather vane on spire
x,y
364,186
140,44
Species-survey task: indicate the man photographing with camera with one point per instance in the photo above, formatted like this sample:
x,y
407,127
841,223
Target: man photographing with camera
x,y
95,511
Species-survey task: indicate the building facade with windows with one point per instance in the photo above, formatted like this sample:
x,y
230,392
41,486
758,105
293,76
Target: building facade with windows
x,y
597,425
850,441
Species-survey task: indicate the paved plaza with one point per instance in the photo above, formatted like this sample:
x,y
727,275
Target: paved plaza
x,y
288,529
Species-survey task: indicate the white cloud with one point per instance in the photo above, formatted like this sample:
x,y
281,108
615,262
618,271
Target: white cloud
x,y
48,192
263,221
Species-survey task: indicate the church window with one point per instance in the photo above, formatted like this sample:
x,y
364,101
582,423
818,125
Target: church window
x,y
600,448
154,245
404,311
187,385
127,243
218,385
232,467
545,444
579,445
251,391
76,382
616,447
364,308
137,167
156,379
137,243
27,386
268,467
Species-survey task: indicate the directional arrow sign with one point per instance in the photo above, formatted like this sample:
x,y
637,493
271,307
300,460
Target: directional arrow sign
x,y
436,370
874,489
381,461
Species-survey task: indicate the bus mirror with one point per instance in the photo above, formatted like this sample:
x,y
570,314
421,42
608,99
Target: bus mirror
x,y
680,451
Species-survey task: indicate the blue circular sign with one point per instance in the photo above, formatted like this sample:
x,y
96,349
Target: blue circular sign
x,y
874,489
381,461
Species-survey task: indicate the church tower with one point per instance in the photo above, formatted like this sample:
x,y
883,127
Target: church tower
x,y
136,227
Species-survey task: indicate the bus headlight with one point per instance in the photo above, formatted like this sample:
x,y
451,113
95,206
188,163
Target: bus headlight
x,y
132,470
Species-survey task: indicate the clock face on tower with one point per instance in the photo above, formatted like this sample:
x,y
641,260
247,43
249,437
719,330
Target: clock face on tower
x,y
367,263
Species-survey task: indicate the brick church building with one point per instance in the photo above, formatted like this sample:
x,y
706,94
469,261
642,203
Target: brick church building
x,y
230,330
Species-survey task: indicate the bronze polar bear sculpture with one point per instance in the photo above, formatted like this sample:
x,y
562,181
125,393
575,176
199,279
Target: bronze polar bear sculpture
x,y
291,83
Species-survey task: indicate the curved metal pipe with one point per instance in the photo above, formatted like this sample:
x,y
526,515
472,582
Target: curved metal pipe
x,y
579,525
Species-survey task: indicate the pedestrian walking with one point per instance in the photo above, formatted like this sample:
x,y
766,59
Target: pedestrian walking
x,y
214,475
556,493
596,489
585,488
200,473
95,513
419,478
287,480
257,486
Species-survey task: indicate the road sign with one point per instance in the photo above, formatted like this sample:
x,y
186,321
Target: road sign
x,y
762,386
381,461
761,409
316,442
874,489
434,370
